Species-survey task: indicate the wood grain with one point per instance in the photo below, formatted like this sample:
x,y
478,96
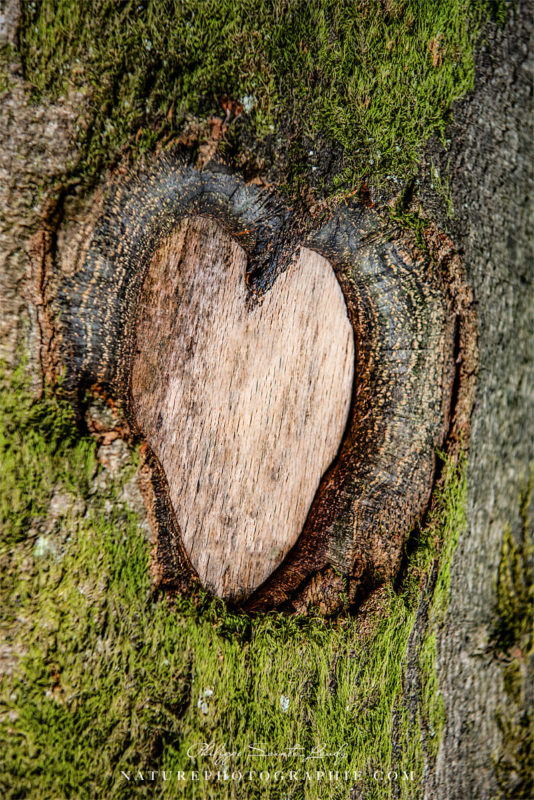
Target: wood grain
x,y
244,402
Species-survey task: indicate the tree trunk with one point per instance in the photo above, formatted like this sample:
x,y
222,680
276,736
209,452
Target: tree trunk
x,y
489,164
89,290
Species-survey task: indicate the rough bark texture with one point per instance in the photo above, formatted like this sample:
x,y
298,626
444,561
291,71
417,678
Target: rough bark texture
x,y
490,168
37,143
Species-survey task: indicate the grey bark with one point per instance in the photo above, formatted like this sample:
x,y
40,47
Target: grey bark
x,y
489,165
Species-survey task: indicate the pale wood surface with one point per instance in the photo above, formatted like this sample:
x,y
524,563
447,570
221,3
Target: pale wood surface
x,y
243,404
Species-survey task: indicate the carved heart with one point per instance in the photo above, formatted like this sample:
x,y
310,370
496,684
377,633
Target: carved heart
x,y
241,392
243,403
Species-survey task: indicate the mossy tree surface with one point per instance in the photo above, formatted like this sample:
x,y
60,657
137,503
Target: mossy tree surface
x,y
327,94
103,677
98,675
513,645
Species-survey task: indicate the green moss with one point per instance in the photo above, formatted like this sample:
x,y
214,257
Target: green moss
x,y
365,83
101,676
433,708
515,586
441,184
39,447
513,643
447,519
6,56
408,215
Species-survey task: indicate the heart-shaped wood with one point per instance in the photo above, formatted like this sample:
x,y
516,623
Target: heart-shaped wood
x,y
238,380
243,401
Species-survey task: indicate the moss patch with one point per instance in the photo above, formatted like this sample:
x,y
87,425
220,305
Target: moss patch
x,y
446,522
513,644
326,94
101,677
515,586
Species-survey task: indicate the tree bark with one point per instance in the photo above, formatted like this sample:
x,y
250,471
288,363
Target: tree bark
x,y
489,164
488,167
